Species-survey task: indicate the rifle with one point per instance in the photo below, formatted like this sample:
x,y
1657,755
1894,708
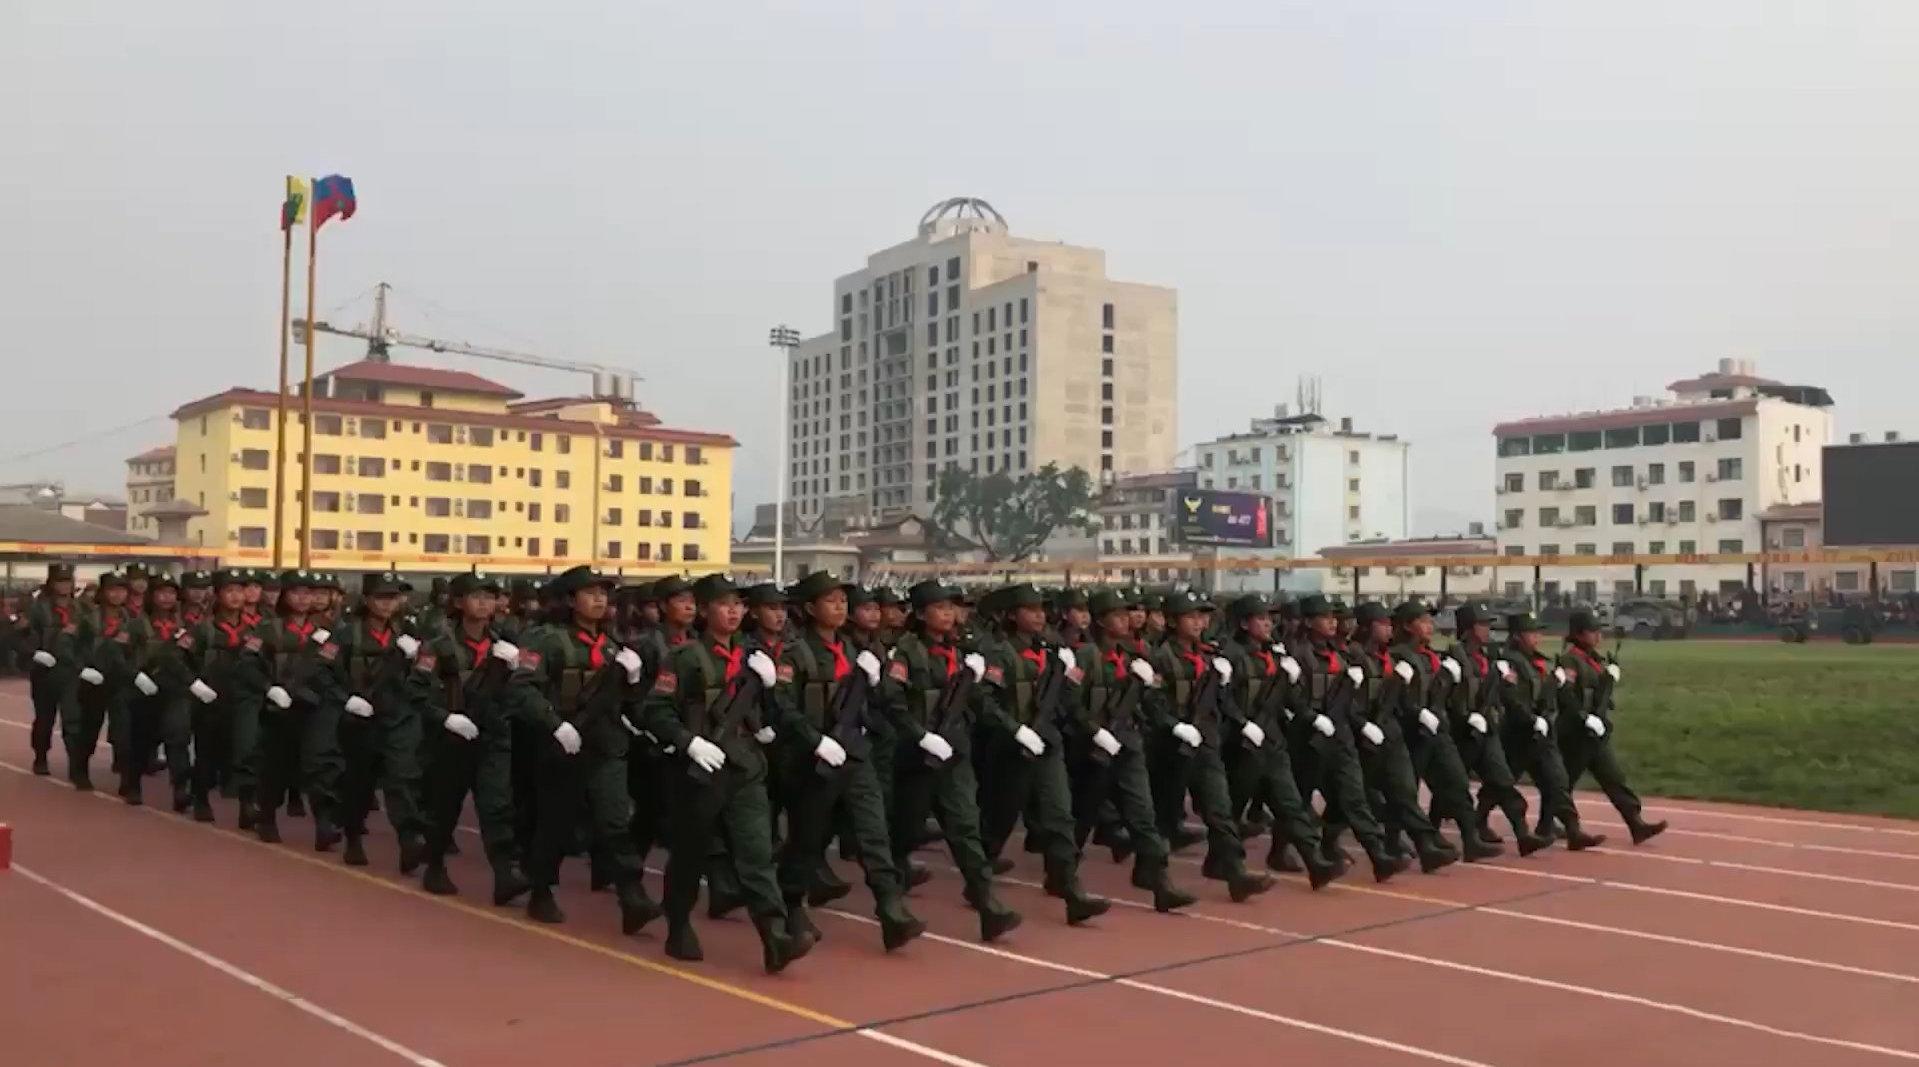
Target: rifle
x,y
844,719
947,714
1049,690
1116,714
725,715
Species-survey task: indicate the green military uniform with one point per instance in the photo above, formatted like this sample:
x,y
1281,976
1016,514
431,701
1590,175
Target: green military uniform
x,y
1474,714
1190,713
1328,713
53,635
1030,684
232,662
380,733
650,768
933,700
1586,727
588,696
1391,780
824,695
705,705
469,697
1528,720
1419,683
1108,718
300,742
111,642
1259,765
163,719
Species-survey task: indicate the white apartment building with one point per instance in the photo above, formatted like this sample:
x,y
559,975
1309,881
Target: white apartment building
x,y
1688,473
969,346
1137,529
1330,485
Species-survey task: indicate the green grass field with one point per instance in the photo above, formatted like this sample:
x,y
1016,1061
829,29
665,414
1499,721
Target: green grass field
x,y
1825,725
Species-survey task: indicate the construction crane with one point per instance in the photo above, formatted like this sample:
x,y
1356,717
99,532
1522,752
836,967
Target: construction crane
x,y
608,382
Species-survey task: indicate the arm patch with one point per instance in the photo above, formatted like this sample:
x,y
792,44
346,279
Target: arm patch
x,y
329,652
784,672
666,683
898,671
426,661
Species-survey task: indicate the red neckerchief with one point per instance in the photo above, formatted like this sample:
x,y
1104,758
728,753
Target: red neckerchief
x,y
772,648
251,618
1386,661
732,657
480,648
947,653
165,626
110,624
1197,658
300,630
1432,658
1332,657
1481,664
841,668
595,647
66,617
233,630
1266,656
675,640
1116,656
382,637
135,607
192,616
1591,661
1036,657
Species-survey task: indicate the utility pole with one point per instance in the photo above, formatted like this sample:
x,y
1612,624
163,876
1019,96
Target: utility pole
x,y
787,339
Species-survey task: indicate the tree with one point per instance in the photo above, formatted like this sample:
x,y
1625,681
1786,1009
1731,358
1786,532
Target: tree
x,y
1010,518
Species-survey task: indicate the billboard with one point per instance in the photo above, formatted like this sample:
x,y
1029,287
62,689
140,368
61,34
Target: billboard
x,y
1872,494
1213,517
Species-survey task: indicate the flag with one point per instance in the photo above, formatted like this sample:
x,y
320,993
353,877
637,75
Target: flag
x,y
293,210
332,195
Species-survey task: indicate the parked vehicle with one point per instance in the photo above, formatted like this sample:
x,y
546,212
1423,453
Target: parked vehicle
x,y
1650,618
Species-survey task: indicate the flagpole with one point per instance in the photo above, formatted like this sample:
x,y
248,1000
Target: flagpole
x,y
306,406
280,454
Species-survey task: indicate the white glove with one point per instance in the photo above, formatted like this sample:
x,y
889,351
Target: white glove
x,y
1404,670
1029,740
1505,669
202,692
1224,668
462,727
1187,733
1477,722
935,746
765,735
568,737
1559,676
1429,720
1067,659
320,636
1106,742
1613,669
1324,725
1254,736
706,754
1142,670
1541,726
1373,733
506,653
869,665
91,676
977,664
1596,725
279,698
627,725
409,645
356,705
44,658
145,684
1452,667
1291,667
762,664
830,752
629,659
1357,674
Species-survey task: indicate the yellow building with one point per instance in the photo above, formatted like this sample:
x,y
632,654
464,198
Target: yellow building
x,y
435,470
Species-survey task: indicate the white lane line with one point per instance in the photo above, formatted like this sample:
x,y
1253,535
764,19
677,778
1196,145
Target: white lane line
x,y
1543,983
16,725
1669,808
1711,898
246,977
1797,846
1182,995
1700,861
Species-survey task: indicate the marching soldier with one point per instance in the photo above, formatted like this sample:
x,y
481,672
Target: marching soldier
x,y
866,630
299,740
1418,684
1528,723
1475,716
824,691
1075,627
893,615
705,706
53,633
1384,758
111,642
589,695
162,717
232,670
1030,686
196,596
1258,764
933,699
1585,723
649,766
380,721
472,687
1192,712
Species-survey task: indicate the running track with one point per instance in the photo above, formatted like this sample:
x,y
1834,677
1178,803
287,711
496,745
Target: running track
x,y
1745,935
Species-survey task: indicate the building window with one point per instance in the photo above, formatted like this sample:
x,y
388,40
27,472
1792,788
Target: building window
x,y
1583,478
562,479
1732,544
1516,483
479,509
691,487
613,516
1548,479
1352,513
1548,516
326,501
254,459
562,513
253,498
1106,316
1656,511
1685,471
439,472
1622,477
327,425
1686,511
436,544
256,419
536,442
1352,485
1622,514
612,550
1730,430
480,472
439,433
1731,509
560,547
480,435
614,483
439,507
1583,440
1731,470
1585,549
1586,515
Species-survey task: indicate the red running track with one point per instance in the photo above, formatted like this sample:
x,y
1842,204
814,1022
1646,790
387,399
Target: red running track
x,y
1746,935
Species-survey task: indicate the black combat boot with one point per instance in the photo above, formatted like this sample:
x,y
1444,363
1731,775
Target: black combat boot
x,y
1386,864
182,799
636,908
1486,833
1280,858
325,834
1244,884
827,886
412,853
1435,853
508,883
202,809
1578,840
267,828
437,882
1320,874
1167,897
996,920
1117,840
897,924
916,874
542,908
781,946
296,805
40,767
1476,849
1643,831
681,942
249,813
355,854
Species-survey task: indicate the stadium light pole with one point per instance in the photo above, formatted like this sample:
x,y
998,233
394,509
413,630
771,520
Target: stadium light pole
x,y
787,340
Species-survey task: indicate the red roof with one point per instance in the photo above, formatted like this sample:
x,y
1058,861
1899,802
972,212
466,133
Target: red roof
x,y
453,381
152,454
1619,420
257,398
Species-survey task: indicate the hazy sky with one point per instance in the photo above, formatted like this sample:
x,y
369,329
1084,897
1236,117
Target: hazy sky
x,y
1451,213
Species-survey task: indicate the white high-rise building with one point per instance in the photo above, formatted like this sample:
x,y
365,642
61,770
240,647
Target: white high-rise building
x,y
1686,474
969,346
